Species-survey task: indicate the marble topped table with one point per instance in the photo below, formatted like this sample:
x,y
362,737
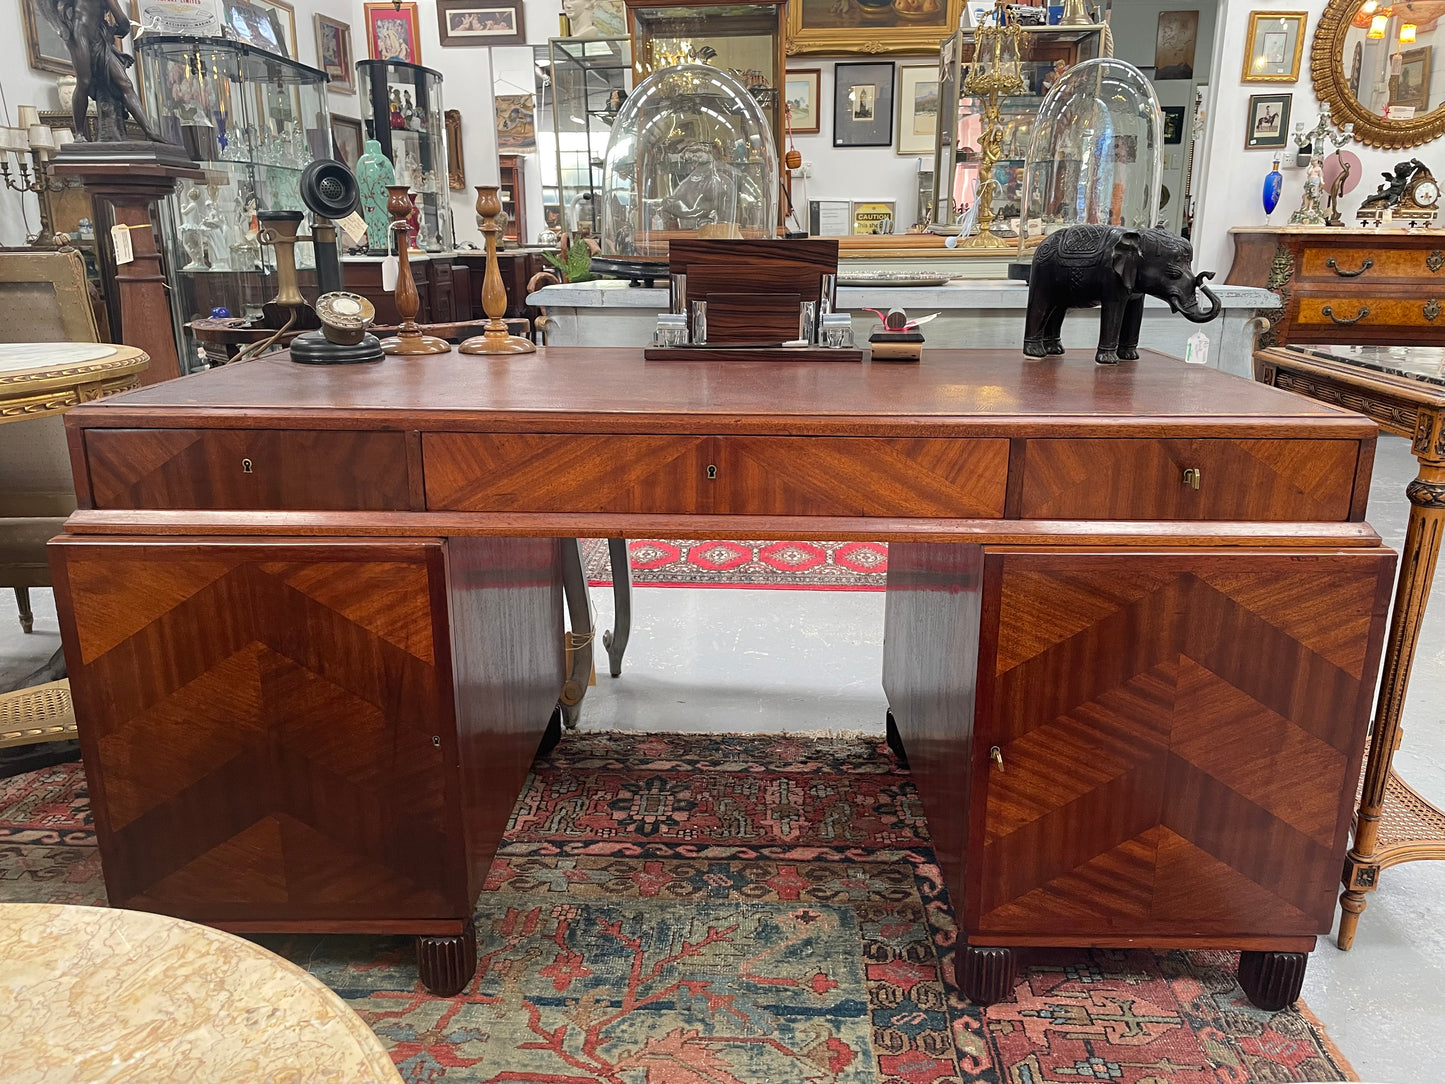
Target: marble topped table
x,y
102,995
1403,389
48,378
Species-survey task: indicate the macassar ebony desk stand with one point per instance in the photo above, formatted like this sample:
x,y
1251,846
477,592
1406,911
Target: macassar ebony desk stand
x,y
313,621
1403,389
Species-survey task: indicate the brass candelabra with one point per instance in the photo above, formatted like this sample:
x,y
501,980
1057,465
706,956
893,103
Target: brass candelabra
x,y
39,182
494,339
992,81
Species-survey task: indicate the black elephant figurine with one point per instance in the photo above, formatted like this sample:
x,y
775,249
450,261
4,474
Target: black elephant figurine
x,y
1113,267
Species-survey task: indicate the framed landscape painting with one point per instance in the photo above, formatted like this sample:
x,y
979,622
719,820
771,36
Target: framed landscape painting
x,y
868,27
800,93
917,109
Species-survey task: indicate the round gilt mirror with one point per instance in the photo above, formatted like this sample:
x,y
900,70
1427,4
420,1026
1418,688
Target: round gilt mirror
x,y
1371,61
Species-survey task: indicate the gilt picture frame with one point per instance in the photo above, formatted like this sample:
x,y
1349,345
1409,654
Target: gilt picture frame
x,y
1274,46
869,28
44,47
333,53
917,109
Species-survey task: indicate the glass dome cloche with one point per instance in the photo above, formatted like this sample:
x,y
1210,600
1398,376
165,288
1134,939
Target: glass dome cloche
x,y
691,155
1096,153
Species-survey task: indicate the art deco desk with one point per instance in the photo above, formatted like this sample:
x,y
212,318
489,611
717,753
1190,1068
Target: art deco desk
x,y
1402,388
1134,617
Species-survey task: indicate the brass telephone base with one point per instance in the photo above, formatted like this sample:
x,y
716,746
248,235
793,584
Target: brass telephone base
x,y
497,342
409,345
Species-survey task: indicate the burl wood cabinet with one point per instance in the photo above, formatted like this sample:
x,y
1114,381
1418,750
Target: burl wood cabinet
x,y
1382,286
312,616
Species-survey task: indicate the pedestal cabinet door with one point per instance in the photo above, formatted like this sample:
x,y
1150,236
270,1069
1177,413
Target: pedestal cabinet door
x,y
1168,743
267,727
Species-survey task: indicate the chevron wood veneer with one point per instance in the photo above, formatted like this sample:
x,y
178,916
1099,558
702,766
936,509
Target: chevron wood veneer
x,y
302,709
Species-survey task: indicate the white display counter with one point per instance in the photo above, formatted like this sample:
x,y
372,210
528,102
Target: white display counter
x,y
975,312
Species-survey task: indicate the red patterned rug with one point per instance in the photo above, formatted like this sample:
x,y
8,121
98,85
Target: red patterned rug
x,y
711,909
795,566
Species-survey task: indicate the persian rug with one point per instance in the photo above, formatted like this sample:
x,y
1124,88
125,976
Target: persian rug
x,y
719,909
796,566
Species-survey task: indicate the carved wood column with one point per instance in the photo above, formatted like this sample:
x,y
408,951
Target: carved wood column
x,y
131,184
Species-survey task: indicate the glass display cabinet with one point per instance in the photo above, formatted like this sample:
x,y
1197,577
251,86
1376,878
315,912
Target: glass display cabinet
x,y
253,121
401,108
1096,155
691,155
1045,53
590,79
745,40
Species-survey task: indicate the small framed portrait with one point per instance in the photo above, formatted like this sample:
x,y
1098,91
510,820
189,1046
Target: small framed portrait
x,y
863,105
1273,46
1173,124
478,22
800,93
347,139
333,53
45,47
392,33
917,109
1267,127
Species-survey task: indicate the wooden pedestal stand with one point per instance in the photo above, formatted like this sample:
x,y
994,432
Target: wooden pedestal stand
x,y
495,339
131,177
408,339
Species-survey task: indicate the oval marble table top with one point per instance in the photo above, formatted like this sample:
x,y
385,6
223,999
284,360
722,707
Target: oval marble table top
x,y
48,378
98,995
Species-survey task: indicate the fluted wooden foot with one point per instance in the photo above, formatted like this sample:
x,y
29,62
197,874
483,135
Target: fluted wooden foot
x,y
446,964
985,975
1272,980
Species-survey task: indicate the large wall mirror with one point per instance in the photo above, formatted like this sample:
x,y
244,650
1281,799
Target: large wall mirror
x,y
1374,62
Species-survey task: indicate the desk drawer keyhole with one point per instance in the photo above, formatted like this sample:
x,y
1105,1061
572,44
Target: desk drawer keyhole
x,y
246,466
1193,476
711,471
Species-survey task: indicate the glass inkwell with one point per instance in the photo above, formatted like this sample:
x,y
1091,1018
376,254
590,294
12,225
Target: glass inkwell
x,y
691,155
1095,157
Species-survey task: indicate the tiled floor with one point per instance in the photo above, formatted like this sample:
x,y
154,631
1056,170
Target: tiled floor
x,y
809,660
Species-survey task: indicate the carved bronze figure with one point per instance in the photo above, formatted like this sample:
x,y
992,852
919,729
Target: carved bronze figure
x,y
89,29
1112,267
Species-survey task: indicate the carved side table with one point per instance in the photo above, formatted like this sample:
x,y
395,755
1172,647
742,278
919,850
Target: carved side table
x,y
47,378
1403,389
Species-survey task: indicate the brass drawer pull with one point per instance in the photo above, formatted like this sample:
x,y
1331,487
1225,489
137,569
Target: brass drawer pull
x,y
995,754
1330,312
1193,476
1431,309
245,466
1435,261
1369,263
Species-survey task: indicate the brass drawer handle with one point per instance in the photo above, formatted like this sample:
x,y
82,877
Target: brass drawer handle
x,y
995,754
1431,309
1193,476
1369,263
1330,312
1435,261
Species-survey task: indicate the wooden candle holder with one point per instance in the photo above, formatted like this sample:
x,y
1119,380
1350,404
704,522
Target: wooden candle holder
x,y
495,338
408,339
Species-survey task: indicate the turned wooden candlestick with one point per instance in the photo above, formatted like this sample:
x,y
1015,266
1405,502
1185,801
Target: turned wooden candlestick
x,y
408,338
494,339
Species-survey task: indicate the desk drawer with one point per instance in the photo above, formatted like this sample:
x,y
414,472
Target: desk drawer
x,y
762,475
247,468
1365,264
1420,311
1259,480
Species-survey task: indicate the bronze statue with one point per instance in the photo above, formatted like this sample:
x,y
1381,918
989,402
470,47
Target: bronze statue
x,y
1389,193
89,29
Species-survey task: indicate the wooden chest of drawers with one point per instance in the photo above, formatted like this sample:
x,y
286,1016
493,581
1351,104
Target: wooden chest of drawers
x,y
1346,285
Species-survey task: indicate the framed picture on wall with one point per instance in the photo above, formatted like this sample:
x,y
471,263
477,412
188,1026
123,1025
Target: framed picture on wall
x,y
1412,85
830,28
347,139
44,46
333,53
479,22
863,105
1273,46
800,94
917,109
262,25
1267,125
1174,41
393,33
1173,124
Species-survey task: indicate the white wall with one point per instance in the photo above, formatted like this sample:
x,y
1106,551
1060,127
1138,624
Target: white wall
x,y
1235,176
